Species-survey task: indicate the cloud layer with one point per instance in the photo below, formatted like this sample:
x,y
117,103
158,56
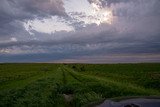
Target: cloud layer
x,y
13,12
135,31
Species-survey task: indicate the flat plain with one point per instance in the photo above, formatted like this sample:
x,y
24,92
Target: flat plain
x,y
75,85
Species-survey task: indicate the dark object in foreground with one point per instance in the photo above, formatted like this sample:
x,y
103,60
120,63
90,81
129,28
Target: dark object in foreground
x,y
132,105
140,102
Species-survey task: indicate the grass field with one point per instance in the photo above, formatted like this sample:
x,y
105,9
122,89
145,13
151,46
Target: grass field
x,y
75,85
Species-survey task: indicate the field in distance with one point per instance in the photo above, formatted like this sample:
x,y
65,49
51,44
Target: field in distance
x,y
75,85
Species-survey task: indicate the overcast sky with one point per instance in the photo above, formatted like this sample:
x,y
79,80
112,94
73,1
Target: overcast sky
x,y
82,31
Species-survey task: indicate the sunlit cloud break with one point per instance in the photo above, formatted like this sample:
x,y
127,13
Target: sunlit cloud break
x,y
95,13
101,14
47,25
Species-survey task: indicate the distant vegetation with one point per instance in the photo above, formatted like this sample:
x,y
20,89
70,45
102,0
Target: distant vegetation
x,y
74,85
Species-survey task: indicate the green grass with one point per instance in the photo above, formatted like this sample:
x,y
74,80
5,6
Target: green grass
x,y
45,85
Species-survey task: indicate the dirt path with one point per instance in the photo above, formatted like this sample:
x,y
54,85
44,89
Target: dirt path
x,y
139,102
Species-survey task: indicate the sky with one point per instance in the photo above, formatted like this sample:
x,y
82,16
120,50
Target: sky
x,y
80,31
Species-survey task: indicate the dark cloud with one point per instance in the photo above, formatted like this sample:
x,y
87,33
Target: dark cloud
x,y
135,31
93,39
24,9
14,11
41,7
137,8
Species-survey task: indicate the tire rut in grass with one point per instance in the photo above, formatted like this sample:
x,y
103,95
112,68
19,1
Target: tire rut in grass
x,y
84,94
113,88
64,77
42,92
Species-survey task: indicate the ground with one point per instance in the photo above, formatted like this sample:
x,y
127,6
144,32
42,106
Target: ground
x,y
75,85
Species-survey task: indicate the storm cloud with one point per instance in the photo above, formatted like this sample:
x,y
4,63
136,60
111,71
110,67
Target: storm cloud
x,y
135,32
13,12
